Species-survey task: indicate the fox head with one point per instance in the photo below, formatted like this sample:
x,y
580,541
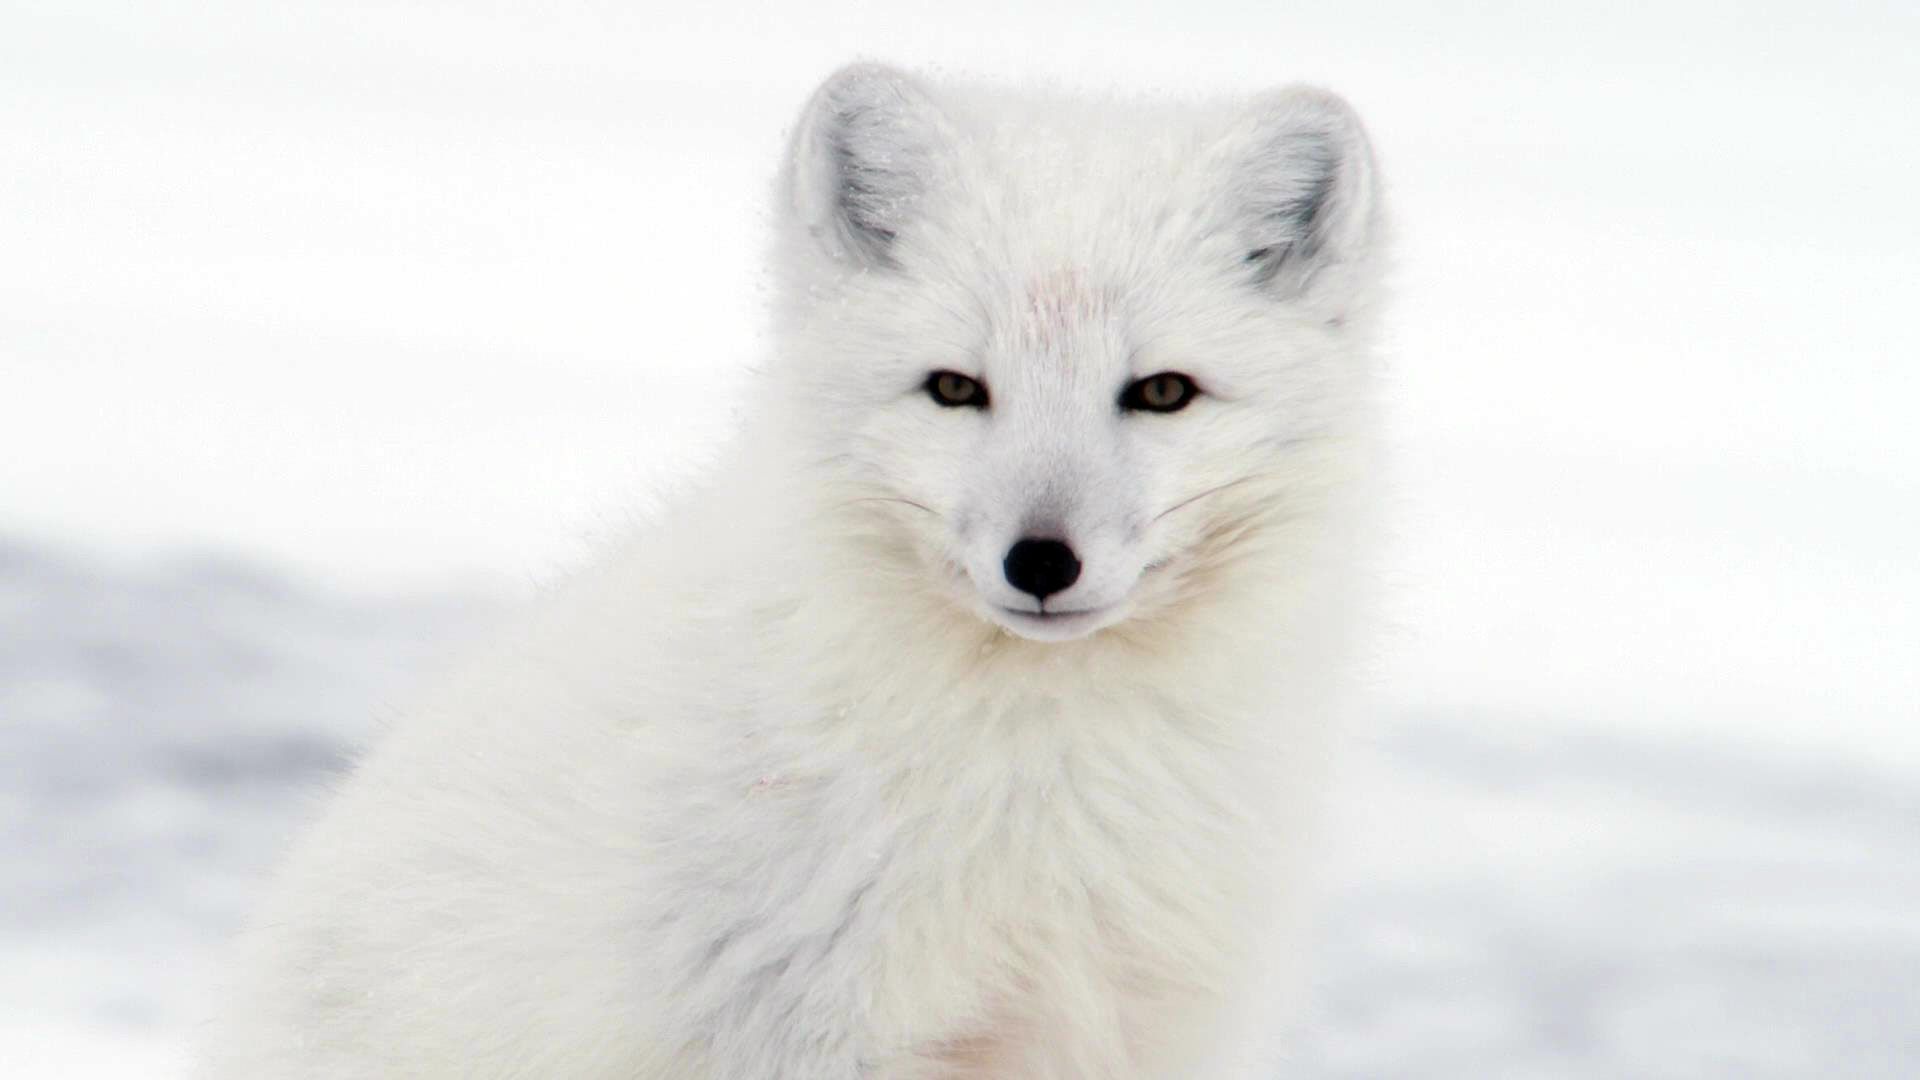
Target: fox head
x,y
1069,362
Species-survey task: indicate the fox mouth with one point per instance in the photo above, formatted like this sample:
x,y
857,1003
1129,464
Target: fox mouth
x,y
1044,615
1045,625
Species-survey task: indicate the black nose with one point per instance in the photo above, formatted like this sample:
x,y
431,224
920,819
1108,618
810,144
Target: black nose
x,y
1041,567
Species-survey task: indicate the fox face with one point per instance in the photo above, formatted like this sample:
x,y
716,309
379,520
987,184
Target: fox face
x,y
1069,362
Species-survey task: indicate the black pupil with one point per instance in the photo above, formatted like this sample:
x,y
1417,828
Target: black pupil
x,y
1167,392
951,388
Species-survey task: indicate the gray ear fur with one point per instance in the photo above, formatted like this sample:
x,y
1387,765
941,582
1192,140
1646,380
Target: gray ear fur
x,y
1304,192
868,147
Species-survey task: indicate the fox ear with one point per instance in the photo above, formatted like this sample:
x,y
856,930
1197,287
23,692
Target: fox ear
x,y
866,151
1304,193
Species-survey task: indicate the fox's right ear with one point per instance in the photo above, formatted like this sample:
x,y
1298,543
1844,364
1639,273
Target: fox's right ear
x,y
864,155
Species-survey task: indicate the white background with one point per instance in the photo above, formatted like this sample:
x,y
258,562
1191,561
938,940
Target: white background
x,y
406,299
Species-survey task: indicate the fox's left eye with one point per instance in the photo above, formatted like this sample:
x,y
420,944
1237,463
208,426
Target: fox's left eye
x,y
1169,391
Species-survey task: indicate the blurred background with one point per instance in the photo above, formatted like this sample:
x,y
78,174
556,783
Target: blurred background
x,y
329,331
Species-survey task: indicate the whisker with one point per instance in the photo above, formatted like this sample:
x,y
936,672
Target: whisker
x,y
1191,499
893,499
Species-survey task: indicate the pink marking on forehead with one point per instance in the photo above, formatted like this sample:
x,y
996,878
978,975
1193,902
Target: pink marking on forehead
x,y
1057,302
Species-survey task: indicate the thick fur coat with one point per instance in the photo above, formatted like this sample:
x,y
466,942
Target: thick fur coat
x,y
798,784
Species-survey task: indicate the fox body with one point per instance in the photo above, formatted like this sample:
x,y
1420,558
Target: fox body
x,y
964,721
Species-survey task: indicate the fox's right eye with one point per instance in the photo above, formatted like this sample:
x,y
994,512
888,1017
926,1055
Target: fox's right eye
x,y
955,391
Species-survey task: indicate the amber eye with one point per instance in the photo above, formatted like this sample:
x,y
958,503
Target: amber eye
x,y
954,390
1169,391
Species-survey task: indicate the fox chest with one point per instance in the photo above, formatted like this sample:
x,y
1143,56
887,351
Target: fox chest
x,y
1035,929
1007,915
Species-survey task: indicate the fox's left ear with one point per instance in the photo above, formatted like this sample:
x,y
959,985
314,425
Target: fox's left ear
x,y
868,148
1303,195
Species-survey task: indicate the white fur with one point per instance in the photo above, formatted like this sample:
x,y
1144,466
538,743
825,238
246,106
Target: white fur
x,y
797,786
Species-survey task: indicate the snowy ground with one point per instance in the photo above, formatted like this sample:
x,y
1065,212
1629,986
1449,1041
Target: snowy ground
x,y
326,329
165,728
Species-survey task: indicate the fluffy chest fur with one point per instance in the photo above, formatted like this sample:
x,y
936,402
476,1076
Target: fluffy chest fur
x,y
1018,876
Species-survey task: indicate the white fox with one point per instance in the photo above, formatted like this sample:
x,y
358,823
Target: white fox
x,y
964,722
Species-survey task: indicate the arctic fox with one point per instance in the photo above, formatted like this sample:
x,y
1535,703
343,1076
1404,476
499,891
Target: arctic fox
x,y
964,723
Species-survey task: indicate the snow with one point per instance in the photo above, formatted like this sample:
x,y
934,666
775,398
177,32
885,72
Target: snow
x,y
166,727
327,331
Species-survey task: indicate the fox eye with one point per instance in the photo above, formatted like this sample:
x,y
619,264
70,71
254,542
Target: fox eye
x,y
955,391
1168,391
